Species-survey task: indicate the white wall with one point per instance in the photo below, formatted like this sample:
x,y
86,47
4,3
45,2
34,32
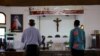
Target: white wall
x,y
17,10
90,19
48,27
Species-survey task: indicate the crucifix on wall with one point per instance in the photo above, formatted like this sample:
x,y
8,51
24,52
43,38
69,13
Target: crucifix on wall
x,y
57,23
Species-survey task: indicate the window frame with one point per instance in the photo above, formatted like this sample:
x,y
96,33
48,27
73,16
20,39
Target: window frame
x,y
5,32
5,18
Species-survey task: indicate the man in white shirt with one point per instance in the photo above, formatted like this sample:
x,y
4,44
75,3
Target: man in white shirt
x,y
31,38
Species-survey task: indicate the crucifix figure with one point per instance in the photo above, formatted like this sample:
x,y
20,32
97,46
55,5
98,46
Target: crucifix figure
x,y
57,23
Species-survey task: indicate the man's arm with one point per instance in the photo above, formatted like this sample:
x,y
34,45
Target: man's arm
x,y
23,38
84,38
39,38
71,40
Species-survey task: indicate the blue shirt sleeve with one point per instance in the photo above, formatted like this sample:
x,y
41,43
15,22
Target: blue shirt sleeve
x,y
71,40
84,38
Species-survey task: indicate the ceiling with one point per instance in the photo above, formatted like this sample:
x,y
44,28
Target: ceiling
x,y
47,2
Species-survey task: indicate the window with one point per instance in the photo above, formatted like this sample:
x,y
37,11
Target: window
x,y
2,32
2,18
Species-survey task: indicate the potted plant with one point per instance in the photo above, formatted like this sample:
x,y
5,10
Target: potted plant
x,y
66,44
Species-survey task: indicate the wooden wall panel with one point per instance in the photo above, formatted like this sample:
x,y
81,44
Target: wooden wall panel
x,y
48,2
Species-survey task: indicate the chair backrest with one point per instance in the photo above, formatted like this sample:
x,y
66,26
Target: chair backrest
x,y
10,41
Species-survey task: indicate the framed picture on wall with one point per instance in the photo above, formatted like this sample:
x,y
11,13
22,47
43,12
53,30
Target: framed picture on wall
x,y
16,22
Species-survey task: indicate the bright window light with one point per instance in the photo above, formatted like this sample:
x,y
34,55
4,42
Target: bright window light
x,y
2,18
2,33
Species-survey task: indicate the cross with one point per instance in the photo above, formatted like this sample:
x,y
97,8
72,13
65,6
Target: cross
x,y
57,23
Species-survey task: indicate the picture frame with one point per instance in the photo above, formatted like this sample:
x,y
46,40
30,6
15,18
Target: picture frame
x,y
16,22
